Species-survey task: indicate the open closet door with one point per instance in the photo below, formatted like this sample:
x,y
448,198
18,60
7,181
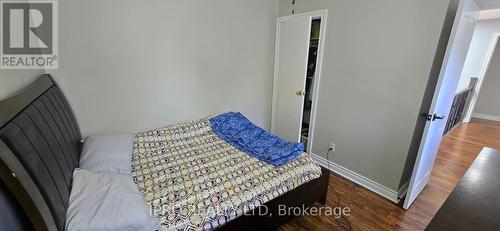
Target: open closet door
x,y
451,68
292,47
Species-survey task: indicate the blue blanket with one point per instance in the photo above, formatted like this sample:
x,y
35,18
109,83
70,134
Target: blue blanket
x,y
237,130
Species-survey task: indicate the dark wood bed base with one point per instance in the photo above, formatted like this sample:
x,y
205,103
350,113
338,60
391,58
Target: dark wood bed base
x,y
301,197
40,148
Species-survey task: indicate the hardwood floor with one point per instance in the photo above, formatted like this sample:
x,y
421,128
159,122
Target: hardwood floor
x,y
372,212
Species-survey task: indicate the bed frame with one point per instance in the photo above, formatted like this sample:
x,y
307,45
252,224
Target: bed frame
x,y
40,147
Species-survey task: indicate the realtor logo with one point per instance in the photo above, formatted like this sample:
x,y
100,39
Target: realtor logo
x,y
29,35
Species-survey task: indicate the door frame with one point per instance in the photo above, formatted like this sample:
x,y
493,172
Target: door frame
x,y
482,75
323,15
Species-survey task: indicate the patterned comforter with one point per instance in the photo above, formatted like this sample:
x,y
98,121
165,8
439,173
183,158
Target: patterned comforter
x,y
194,180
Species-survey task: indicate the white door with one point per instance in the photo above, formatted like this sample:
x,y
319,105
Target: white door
x,y
458,46
292,48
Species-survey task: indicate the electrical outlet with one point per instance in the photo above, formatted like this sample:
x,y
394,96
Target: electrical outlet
x,y
332,147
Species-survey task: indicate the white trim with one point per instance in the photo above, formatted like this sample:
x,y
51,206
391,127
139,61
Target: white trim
x,y
486,117
275,80
323,15
486,65
403,189
369,184
314,14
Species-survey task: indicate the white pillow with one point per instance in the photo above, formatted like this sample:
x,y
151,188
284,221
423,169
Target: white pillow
x,y
108,153
107,201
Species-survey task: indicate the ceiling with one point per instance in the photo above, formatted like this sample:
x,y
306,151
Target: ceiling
x,y
490,9
488,4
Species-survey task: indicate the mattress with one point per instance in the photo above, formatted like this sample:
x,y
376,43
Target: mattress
x,y
194,180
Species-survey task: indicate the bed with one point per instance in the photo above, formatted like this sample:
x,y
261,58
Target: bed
x,y
40,148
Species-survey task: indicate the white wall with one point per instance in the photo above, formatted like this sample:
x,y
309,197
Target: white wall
x,y
488,103
135,65
12,81
377,61
129,66
478,51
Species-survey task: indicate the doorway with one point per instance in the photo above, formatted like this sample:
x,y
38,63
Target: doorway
x,y
310,77
445,74
297,74
488,69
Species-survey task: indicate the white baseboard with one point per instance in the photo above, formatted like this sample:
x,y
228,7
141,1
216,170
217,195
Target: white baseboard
x,y
485,117
403,190
371,185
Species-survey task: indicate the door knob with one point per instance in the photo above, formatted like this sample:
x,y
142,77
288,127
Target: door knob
x,y
436,117
426,116
300,93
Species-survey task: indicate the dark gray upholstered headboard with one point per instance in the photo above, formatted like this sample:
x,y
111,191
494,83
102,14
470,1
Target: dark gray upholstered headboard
x,y
39,149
